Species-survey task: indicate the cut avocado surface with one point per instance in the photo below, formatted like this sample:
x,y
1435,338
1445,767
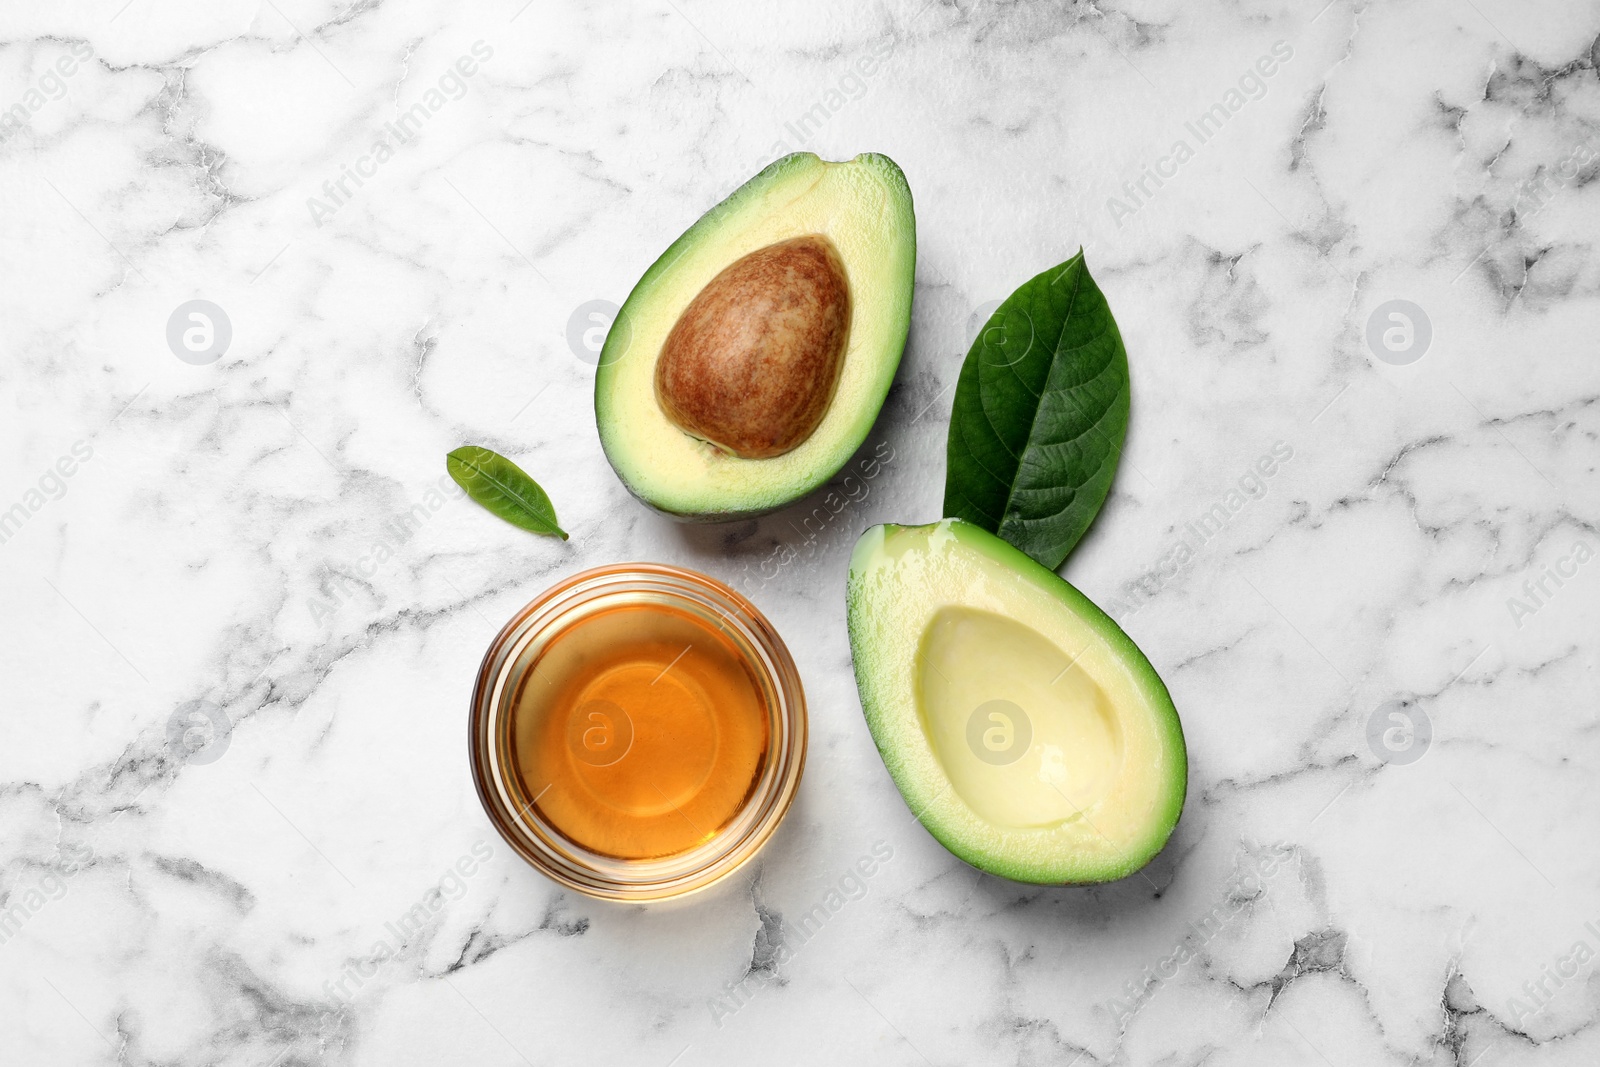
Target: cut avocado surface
x,y
1028,733
670,449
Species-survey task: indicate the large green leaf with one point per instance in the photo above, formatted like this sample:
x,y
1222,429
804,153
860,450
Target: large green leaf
x,y
504,488
1041,410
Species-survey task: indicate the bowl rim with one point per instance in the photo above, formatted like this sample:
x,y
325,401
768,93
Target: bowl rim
x,y
568,864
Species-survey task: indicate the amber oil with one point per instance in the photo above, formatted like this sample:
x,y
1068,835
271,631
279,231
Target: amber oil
x,y
641,732
637,731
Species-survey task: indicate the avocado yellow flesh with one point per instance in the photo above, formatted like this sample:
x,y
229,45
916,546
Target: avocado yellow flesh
x,y
1028,732
863,208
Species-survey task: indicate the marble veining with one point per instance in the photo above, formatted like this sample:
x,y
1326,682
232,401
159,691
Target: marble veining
x,y
411,219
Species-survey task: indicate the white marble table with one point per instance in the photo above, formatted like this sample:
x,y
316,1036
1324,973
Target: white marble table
x,y
201,536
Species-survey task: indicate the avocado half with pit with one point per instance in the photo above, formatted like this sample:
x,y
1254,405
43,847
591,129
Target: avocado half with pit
x,y
1026,731
750,361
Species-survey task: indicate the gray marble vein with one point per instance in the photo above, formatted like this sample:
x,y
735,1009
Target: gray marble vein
x,y
243,613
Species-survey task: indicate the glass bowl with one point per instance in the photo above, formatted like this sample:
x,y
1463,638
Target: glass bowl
x,y
499,729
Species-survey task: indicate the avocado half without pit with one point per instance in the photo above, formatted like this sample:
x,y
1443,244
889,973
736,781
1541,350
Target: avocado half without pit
x,y
750,361
1027,732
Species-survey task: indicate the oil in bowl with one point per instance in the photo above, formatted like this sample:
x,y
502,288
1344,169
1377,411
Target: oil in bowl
x,y
648,727
637,732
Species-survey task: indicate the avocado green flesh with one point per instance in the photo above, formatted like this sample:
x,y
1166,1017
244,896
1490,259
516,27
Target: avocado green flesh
x,y
1028,732
864,207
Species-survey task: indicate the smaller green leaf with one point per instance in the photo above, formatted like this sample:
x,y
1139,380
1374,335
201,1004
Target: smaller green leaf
x,y
504,488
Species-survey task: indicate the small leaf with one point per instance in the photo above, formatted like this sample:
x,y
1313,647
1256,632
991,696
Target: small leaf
x,y
504,488
1041,410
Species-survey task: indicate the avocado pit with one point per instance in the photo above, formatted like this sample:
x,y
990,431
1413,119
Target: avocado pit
x,y
752,364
